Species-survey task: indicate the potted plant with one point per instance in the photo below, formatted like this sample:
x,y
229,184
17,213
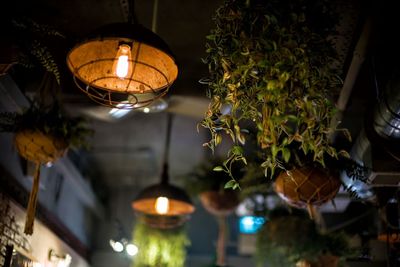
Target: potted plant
x,y
42,135
272,72
293,240
210,187
160,247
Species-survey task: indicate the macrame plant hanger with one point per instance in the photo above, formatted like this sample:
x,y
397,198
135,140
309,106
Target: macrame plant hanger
x,y
39,147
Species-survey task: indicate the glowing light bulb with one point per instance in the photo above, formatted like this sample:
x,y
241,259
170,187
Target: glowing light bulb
x,y
131,249
146,110
123,66
117,246
162,205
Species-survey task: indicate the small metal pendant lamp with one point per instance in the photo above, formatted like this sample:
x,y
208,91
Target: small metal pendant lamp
x,y
164,205
123,65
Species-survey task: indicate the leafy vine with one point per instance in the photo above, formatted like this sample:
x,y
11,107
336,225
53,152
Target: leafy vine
x,y
271,63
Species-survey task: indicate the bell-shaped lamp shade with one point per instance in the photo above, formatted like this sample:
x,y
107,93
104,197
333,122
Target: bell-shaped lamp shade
x,y
120,62
163,199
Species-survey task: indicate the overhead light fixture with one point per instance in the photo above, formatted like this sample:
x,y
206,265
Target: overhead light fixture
x,y
117,246
121,62
163,199
120,243
123,244
164,205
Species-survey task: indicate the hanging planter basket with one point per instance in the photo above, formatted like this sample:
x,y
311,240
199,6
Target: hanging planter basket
x,y
39,148
219,203
307,187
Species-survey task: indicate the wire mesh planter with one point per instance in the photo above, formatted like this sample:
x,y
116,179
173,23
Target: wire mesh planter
x,y
39,148
307,187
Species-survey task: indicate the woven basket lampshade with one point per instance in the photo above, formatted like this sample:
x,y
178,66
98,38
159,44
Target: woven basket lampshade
x,y
150,66
39,148
179,204
307,187
219,203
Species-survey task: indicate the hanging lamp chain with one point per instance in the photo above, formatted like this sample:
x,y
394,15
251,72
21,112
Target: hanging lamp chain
x,y
164,175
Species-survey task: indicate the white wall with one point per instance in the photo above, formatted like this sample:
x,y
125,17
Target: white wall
x,y
43,240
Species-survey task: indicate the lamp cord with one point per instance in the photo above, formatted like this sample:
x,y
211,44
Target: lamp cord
x,y
164,175
155,13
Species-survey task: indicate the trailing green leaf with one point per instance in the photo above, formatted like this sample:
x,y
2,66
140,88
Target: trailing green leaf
x,y
34,39
276,73
213,175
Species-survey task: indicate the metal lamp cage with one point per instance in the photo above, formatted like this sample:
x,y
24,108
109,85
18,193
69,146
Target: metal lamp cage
x,y
164,222
153,66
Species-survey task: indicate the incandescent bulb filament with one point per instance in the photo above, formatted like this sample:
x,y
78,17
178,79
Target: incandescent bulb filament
x,y
123,67
162,205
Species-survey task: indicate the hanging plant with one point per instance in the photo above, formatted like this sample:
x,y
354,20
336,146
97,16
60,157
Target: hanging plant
x,y
163,248
42,135
272,64
210,186
290,239
32,43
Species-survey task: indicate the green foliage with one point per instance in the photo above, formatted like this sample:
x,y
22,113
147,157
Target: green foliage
x,y
206,177
159,248
52,121
34,38
285,239
272,64
254,182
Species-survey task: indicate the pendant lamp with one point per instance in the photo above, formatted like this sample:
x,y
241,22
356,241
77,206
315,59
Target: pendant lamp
x,y
164,205
123,65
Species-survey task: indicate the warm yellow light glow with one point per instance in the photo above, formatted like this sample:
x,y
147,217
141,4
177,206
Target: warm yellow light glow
x,y
131,249
162,205
123,66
